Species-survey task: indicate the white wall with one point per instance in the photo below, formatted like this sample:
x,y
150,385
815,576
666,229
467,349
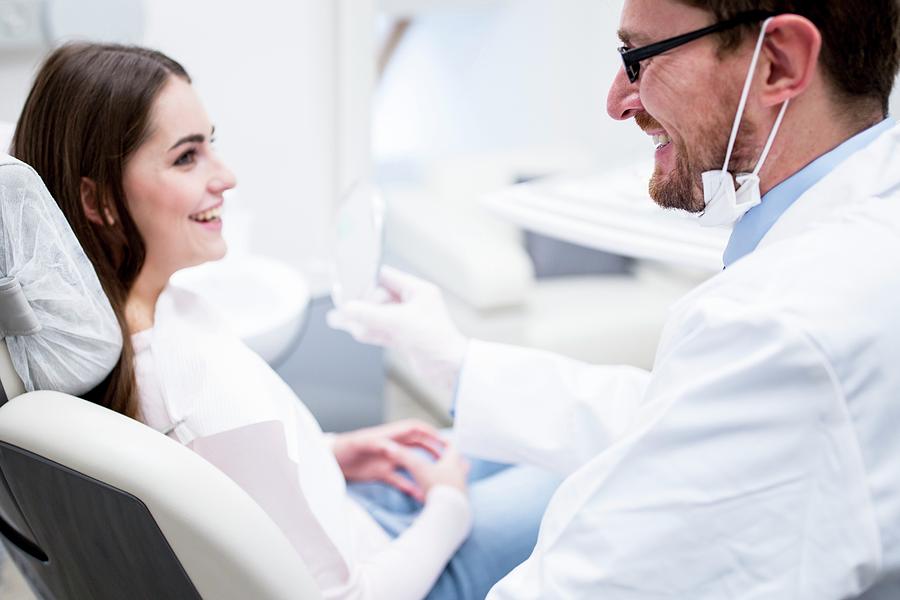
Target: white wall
x,y
22,45
268,72
508,74
288,85
16,72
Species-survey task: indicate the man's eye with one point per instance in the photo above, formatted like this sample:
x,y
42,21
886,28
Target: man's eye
x,y
186,158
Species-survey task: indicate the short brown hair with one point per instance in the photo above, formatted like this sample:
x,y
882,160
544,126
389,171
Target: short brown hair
x,y
87,113
860,39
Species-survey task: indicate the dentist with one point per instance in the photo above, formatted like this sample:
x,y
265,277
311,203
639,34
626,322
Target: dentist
x,y
760,457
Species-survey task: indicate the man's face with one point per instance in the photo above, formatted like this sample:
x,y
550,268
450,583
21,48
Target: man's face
x,y
685,99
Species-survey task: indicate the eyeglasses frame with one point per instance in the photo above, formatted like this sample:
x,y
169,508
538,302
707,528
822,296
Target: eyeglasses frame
x,y
632,57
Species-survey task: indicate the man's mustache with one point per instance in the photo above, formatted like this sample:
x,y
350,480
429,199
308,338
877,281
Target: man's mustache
x,y
647,123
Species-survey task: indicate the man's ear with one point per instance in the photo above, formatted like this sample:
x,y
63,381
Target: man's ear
x,y
90,204
792,47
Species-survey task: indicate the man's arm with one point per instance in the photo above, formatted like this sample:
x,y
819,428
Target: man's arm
x,y
739,477
521,405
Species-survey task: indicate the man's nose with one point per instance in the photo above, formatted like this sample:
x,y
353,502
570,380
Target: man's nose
x,y
623,101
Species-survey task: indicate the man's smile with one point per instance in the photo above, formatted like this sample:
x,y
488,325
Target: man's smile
x,y
661,140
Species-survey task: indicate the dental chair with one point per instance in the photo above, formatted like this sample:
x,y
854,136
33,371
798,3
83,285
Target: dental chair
x,y
94,505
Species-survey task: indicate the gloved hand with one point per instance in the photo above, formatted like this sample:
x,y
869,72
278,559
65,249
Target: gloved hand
x,y
409,316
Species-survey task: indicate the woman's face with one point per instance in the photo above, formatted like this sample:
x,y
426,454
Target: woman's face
x,y
174,183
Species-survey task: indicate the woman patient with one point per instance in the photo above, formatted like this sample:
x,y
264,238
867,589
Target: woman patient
x,y
125,146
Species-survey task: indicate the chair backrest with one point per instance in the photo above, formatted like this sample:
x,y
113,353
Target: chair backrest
x,y
96,505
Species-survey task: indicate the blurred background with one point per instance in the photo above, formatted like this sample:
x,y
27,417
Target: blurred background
x,y
443,103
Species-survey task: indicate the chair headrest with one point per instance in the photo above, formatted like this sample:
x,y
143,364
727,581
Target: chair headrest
x,y
61,331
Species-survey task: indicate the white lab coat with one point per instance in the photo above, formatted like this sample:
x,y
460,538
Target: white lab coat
x,y
761,456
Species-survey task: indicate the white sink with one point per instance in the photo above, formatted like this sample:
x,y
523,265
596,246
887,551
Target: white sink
x,y
264,300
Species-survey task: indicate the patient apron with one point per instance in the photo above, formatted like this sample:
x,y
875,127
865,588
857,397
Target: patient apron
x,y
201,385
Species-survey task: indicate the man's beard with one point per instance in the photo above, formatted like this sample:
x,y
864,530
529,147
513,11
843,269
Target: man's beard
x,y
682,188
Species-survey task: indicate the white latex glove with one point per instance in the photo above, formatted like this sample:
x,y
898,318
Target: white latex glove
x,y
408,316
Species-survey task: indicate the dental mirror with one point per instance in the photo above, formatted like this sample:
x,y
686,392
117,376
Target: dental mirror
x,y
359,236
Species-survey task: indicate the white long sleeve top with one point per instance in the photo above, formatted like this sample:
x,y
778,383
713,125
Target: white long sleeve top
x,y
200,384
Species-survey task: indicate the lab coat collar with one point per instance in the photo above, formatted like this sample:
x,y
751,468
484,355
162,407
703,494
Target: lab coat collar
x,y
868,173
754,225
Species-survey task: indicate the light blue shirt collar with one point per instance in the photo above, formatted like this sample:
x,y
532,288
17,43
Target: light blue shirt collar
x,y
751,229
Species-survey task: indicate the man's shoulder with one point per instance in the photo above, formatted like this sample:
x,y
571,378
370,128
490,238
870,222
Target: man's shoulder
x,y
848,252
837,284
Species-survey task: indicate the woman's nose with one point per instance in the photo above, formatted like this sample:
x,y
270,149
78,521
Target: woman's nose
x,y
223,179
623,101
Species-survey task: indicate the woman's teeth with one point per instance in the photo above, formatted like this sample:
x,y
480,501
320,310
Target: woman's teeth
x,y
207,215
661,140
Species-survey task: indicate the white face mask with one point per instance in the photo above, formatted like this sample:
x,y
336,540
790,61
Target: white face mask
x,y
725,205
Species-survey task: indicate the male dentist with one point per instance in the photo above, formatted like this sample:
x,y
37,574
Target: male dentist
x,y
760,458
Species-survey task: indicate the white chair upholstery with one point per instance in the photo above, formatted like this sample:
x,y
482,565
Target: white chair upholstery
x,y
227,545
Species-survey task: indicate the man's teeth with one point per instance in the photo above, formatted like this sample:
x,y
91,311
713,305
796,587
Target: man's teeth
x,y
207,215
661,140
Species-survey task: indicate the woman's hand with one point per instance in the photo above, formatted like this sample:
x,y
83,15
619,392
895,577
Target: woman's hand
x,y
451,469
377,453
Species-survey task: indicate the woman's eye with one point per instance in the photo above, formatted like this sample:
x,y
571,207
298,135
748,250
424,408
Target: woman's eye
x,y
186,158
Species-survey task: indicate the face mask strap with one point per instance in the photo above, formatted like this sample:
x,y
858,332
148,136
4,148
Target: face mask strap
x,y
771,140
745,95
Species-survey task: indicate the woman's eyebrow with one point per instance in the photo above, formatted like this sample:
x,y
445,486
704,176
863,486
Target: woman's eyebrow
x,y
188,139
197,138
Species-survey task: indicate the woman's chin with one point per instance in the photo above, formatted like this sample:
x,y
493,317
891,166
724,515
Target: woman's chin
x,y
219,254
210,254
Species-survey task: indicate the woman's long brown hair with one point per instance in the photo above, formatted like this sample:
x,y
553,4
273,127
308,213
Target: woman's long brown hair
x,y
87,113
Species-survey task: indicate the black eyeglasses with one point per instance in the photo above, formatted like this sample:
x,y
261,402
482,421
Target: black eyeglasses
x,y
632,57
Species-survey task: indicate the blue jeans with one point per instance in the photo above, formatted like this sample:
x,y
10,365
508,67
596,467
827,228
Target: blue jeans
x,y
508,503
